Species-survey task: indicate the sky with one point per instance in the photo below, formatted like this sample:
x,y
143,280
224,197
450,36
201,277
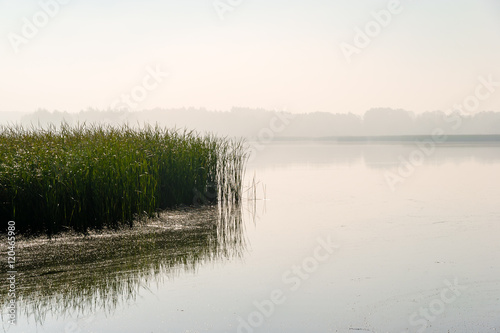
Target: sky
x,y
300,56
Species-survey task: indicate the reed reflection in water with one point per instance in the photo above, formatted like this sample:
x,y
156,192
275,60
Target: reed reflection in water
x,y
72,274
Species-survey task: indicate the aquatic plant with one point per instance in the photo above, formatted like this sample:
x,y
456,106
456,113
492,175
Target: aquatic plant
x,y
94,176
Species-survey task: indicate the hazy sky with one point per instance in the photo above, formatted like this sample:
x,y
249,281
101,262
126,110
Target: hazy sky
x,y
273,54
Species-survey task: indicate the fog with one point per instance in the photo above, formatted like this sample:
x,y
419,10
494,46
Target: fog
x,y
269,124
294,55
366,180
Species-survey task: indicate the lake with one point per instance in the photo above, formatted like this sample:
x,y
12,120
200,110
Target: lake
x,y
331,238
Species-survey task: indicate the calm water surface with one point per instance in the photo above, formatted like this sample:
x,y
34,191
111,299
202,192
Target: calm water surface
x,y
421,257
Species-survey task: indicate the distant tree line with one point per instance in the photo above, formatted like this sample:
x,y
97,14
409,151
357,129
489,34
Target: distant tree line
x,y
250,122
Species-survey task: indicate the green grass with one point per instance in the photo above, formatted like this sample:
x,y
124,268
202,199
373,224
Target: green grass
x,y
91,177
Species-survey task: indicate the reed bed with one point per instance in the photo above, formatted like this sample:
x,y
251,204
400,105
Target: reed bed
x,y
93,176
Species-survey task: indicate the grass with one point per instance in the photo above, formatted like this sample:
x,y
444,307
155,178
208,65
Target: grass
x,y
92,177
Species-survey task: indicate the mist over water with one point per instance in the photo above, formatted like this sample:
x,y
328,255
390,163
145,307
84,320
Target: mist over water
x,y
327,166
269,124
395,251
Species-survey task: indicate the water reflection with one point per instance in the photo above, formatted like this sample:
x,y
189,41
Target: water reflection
x,y
73,274
375,156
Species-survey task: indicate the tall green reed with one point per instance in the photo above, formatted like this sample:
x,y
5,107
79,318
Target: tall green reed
x,y
94,176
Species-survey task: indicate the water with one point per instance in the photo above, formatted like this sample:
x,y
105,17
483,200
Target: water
x,y
328,246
